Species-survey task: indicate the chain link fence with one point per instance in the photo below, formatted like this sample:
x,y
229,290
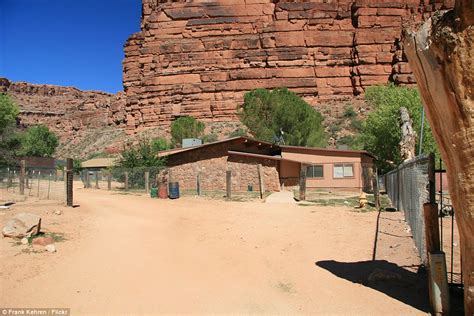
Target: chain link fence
x,y
408,188
42,183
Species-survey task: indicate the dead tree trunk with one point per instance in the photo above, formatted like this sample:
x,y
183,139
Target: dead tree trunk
x,y
408,141
441,54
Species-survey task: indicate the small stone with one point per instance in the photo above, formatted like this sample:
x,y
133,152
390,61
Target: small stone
x,y
57,212
43,241
50,248
24,241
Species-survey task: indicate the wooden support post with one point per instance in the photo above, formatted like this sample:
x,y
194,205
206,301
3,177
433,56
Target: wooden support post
x,y
65,184
303,183
88,182
260,180
376,190
49,184
126,180
109,182
38,187
198,183
228,183
96,175
147,182
69,181
438,278
22,177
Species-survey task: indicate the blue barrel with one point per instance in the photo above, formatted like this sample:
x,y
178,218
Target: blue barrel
x,y
174,190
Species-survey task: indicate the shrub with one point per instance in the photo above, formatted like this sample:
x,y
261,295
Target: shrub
x,y
186,127
349,112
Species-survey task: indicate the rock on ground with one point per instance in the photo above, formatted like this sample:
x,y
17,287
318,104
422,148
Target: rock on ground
x,y
22,225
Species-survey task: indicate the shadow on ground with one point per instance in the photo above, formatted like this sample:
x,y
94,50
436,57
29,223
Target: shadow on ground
x,y
386,277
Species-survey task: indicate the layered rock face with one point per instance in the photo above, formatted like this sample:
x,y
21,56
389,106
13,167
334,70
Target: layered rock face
x,y
199,58
85,121
65,110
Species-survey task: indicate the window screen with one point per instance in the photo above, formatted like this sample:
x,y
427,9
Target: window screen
x,y
314,171
343,171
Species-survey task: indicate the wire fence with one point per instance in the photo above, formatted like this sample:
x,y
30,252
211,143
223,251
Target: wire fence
x,y
42,183
408,188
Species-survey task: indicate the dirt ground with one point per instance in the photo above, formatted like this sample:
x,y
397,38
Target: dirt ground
x,y
129,254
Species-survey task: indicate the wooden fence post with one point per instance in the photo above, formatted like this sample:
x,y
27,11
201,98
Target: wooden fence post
x,y
126,180
147,182
96,174
38,187
303,183
438,278
109,182
198,183
376,190
69,180
22,177
228,185
260,180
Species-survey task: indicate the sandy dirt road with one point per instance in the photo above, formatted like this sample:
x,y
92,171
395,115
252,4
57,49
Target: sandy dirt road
x,y
128,254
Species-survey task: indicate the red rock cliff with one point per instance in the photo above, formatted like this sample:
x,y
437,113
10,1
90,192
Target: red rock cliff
x,y
199,58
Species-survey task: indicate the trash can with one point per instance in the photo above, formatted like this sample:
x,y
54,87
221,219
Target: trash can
x,y
154,193
162,191
174,190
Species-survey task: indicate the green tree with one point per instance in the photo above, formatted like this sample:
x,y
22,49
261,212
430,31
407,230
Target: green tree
x,y
266,113
38,141
9,140
8,113
136,159
185,127
381,132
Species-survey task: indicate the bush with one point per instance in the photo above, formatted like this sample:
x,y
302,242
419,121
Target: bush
x,y
240,132
159,144
209,138
38,141
136,159
186,127
266,113
349,112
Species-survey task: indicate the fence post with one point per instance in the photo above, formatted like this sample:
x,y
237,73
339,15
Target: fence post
x,y
126,180
431,177
38,187
69,182
49,184
260,180
22,177
88,182
376,190
109,182
303,183
147,182
96,174
228,184
198,183
65,184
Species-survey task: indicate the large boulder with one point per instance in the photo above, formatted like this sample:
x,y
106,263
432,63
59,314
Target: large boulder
x,y
22,225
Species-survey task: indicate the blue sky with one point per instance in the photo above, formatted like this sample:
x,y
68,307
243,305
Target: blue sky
x,y
66,42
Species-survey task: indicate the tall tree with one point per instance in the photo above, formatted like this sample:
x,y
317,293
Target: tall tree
x,y
381,132
270,115
38,141
8,138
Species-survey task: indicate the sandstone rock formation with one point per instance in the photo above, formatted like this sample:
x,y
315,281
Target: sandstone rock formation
x,y
441,55
22,225
90,117
199,58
